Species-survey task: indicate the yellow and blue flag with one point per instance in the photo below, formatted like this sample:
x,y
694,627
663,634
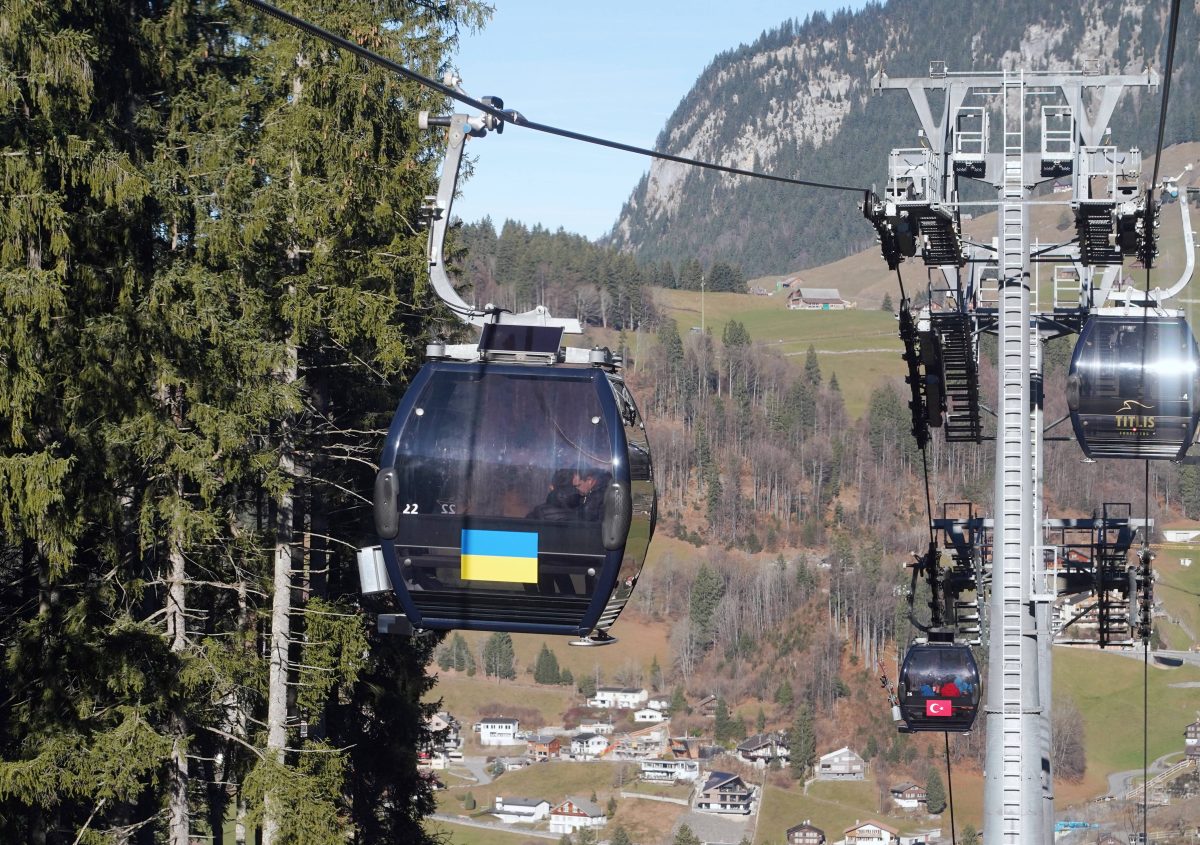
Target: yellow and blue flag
x,y
499,556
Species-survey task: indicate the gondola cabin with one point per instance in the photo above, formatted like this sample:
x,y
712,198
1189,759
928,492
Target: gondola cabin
x,y
939,688
1132,387
516,494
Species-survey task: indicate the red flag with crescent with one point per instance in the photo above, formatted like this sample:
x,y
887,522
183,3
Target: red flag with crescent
x,y
938,707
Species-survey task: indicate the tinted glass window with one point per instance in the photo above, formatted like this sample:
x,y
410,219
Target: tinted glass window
x,y
505,445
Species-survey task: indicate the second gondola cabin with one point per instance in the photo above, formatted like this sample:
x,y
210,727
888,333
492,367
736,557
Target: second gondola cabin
x,y
516,491
939,687
1132,387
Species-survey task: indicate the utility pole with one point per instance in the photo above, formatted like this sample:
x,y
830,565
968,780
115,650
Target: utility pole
x,y
991,287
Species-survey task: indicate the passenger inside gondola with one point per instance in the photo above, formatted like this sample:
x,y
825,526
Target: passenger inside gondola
x,y
562,502
590,485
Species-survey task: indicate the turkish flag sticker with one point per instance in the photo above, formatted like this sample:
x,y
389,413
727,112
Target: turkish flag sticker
x,y
938,707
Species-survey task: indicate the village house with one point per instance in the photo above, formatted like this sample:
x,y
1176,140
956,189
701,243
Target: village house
x,y
693,748
641,744
761,749
443,721
842,764
514,810
908,796
817,299
805,833
543,747
725,793
649,714
670,770
597,727
1191,740
871,832
498,731
587,746
706,706
574,814
623,698
659,704
512,764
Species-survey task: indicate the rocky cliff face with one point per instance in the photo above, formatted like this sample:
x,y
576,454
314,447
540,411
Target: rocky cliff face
x,y
799,102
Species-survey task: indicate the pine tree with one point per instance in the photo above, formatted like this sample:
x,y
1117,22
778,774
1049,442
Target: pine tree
x,y
707,590
685,836
498,656
620,836
784,696
546,669
211,251
802,745
935,793
812,367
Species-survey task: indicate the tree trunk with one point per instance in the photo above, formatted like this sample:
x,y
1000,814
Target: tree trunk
x,y
281,604
176,616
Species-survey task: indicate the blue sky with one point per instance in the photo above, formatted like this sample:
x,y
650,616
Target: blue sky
x,y
614,69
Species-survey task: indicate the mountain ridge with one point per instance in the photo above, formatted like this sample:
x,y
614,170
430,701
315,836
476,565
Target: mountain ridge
x,y
798,103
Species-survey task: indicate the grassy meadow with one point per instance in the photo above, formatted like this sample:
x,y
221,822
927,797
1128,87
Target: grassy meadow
x,y
1107,689
859,345
1178,588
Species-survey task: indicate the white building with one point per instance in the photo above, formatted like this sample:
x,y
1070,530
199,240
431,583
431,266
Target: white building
x,y
602,728
587,746
842,764
871,832
649,714
625,698
498,732
514,810
574,814
670,770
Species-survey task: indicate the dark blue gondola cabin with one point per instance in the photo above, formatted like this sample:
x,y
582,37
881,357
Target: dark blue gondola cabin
x,y
515,498
1132,387
939,688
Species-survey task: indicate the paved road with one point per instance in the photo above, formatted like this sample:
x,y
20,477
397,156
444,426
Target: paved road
x,y
477,766
1119,782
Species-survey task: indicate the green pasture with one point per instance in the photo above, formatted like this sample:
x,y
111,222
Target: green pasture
x,y
831,806
661,790
1107,689
860,346
457,834
464,697
553,780
1178,587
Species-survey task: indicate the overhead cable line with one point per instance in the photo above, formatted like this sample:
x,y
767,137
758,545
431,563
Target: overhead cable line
x,y
1166,98
1148,255
515,118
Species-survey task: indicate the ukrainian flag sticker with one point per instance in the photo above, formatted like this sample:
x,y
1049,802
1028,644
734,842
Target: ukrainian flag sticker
x,y
499,556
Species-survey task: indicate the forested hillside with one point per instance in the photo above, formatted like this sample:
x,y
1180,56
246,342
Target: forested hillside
x,y
209,260
798,103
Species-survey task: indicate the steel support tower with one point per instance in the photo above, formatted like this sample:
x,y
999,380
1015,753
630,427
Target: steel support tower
x,y
920,205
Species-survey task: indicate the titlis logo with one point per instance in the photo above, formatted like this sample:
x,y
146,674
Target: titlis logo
x,y
1129,420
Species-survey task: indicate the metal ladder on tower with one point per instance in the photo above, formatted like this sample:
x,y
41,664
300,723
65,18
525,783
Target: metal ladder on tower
x,y
1014,471
964,424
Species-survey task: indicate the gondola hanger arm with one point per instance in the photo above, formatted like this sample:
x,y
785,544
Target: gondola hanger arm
x,y
460,126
